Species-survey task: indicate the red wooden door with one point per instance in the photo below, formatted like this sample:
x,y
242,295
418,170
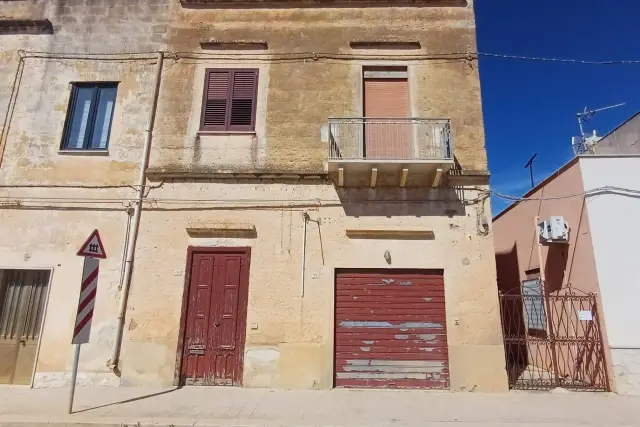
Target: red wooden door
x,y
213,345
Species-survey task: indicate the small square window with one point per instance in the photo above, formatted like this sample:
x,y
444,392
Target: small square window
x,y
229,101
89,116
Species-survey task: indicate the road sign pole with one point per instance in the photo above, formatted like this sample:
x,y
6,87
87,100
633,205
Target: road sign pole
x,y
93,251
74,375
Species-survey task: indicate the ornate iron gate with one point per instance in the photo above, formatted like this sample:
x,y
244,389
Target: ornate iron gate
x,y
554,341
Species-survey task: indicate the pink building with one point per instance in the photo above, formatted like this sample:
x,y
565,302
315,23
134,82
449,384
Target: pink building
x,y
570,309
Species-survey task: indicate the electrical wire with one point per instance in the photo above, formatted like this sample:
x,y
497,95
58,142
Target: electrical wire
x,y
81,186
71,186
171,204
592,192
22,52
483,193
466,56
82,55
238,202
323,55
572,61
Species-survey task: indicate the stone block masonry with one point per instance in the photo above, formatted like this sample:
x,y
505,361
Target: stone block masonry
x,y
265,179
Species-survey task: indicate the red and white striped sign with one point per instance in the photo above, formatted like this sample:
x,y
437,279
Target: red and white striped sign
x,y
87,301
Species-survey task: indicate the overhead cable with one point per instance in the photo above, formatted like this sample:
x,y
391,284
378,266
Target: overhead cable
x,y
567,60
464,56
588,193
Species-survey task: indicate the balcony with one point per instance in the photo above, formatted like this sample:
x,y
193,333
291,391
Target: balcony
x,y
388,152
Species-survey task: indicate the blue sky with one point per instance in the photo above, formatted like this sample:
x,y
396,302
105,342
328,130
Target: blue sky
x,y
530,106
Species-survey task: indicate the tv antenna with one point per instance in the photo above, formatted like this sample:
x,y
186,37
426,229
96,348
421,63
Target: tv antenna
x,y
529,165
587,115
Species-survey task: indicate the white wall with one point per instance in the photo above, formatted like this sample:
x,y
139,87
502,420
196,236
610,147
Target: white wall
x,y
614,221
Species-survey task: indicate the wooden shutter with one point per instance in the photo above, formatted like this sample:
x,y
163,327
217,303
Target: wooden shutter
x,y
229,100
243,100
214,111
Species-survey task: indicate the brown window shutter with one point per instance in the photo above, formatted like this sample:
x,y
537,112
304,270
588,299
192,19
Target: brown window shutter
x,y
229,102
216,102
243,100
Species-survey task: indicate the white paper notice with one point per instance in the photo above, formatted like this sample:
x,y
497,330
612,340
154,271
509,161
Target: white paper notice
x,y
585,315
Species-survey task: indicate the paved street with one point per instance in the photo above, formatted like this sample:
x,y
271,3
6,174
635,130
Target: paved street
x,y
345,408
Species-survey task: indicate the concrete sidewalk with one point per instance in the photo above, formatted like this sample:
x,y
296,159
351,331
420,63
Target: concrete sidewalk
x,y
346,408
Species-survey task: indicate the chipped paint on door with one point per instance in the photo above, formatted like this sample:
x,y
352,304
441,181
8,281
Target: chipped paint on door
x,y
213,346
391,330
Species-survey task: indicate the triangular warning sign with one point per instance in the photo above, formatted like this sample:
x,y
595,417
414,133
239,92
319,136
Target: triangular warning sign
x,y
93,247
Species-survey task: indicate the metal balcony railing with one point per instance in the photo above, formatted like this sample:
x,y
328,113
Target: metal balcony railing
x,y
373,138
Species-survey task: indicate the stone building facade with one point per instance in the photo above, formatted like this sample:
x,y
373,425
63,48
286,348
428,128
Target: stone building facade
x,y
313,211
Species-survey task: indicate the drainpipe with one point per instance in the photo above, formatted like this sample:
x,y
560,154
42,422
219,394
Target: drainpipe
x,y
135,224
305,219
13,98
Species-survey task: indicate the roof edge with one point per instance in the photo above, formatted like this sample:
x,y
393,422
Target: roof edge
x,y
539,185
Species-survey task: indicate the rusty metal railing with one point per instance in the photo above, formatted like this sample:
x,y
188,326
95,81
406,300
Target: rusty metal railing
x,y
376,138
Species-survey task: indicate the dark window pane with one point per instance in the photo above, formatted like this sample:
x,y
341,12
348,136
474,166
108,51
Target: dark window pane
x,y
102,124
241,112
80,125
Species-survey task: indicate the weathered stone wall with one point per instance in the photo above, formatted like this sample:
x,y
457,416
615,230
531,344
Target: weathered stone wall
x,y
290,336
626,368
81,28
41,222
49,238
96,26
310,73
292,344
622,140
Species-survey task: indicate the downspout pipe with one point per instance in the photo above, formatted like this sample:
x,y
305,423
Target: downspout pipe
x,y
135,224
13,99
303,261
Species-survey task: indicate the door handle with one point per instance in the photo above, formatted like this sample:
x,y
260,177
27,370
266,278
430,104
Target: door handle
x,y
23,342
216,324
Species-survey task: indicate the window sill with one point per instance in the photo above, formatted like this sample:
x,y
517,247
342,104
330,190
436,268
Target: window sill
x,y
83,152
226,132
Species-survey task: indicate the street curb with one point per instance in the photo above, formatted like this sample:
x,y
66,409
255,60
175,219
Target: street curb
x,y
84,423
101,424
128,422
27,421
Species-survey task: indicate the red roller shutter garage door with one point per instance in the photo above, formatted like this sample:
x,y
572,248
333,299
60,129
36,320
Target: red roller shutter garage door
x,y
391,330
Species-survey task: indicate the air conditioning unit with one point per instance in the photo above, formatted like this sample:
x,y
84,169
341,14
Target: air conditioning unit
x,y
554,230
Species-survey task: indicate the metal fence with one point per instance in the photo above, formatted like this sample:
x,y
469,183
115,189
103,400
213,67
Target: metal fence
x,y
553,341
369,138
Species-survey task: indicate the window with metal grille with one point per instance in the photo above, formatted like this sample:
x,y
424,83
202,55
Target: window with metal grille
x,y
533,297
229,101
89,116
